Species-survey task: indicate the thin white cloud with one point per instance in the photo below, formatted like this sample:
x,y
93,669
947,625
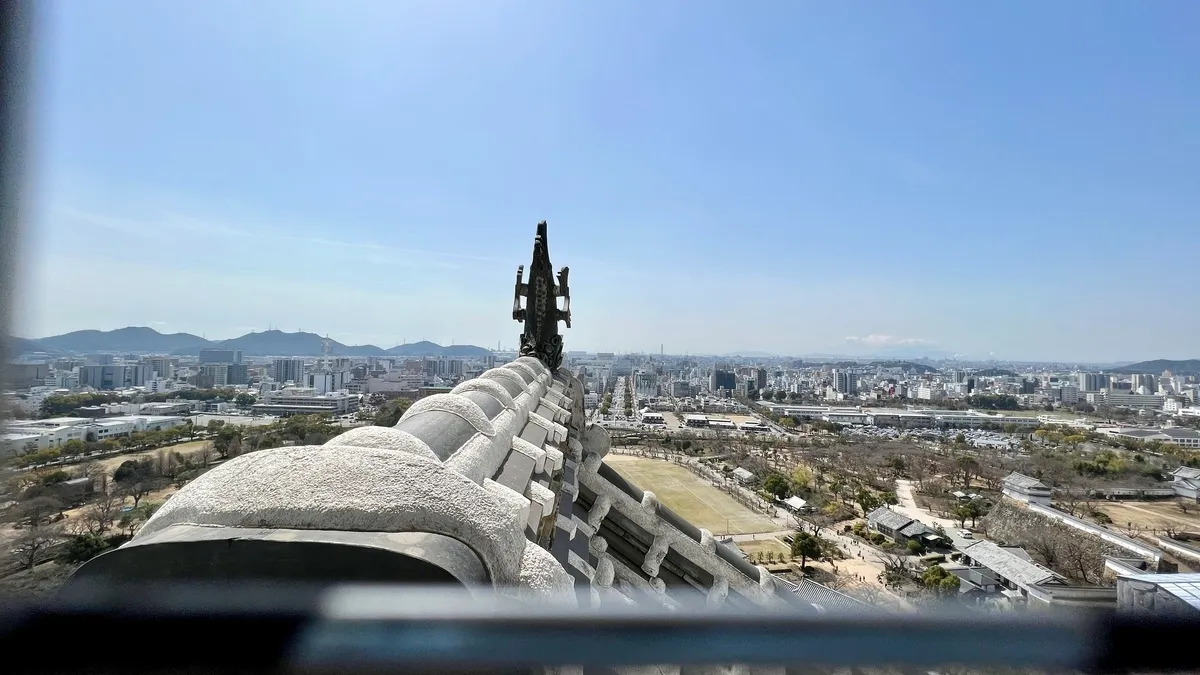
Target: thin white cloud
x,y
265,234
136,226
886,341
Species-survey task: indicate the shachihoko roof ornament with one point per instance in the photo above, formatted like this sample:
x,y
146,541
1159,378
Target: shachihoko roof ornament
x,y
541,313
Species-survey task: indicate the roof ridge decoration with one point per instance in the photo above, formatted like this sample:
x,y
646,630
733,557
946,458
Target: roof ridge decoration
x,y
541,313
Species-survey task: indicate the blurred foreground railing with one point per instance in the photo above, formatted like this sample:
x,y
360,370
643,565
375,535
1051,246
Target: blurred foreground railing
x,y
258,628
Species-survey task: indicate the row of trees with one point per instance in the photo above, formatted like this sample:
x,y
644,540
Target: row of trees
x,y
137,441
778,395
63,404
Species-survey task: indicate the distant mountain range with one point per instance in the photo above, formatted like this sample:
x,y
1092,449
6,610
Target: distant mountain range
x,y
1157,366
142,340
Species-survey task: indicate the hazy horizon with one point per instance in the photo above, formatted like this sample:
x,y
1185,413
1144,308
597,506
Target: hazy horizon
x,y
899,355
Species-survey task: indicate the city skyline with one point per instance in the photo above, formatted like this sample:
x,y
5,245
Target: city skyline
x,y
841,180
502,347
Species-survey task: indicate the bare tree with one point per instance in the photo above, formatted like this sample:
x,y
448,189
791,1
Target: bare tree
x,y
969,466
895,569
31,547
135,490
1068,499
869,594
99,515
992,477
167,463
35,512
1080,561
132,520
1043,543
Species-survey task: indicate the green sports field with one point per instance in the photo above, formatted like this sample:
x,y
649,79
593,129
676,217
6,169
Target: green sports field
x,y
690,496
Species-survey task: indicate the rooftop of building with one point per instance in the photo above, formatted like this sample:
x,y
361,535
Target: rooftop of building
x,y
1008,564
1020,480
889,518
1185,587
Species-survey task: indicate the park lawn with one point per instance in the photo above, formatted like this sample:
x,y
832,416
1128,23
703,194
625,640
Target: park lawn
x,y
690,496
110,464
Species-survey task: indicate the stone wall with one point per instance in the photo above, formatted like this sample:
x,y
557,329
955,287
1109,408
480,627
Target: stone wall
x,y
1075,554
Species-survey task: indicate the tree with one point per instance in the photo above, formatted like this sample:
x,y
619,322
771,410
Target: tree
x,y
244,400
866,500
778,485
940,582
801,479
787,422
204,455
228,442
780,395
1043,542
969,467
915,547
31,547
960,439
895,569
805,546
753,395
973,509
961,514
37,510
55,477
132,520
82,548
390,412
137,478
167,464
98,516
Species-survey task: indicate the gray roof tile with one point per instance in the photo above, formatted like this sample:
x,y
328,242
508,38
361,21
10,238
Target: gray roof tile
x,y
1022,481
888,518
1009,565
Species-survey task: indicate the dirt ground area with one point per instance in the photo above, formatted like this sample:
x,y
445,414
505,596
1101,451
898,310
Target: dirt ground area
x,y
766,545
110,464
672,420
1156,515
690,496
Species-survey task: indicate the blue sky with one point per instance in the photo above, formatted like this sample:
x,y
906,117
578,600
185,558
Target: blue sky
x,y
1016,179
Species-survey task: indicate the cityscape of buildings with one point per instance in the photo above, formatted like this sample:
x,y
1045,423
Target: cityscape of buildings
x,y
885,394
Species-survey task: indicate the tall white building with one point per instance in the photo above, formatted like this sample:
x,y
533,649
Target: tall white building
x,y
1093,381
1147,381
